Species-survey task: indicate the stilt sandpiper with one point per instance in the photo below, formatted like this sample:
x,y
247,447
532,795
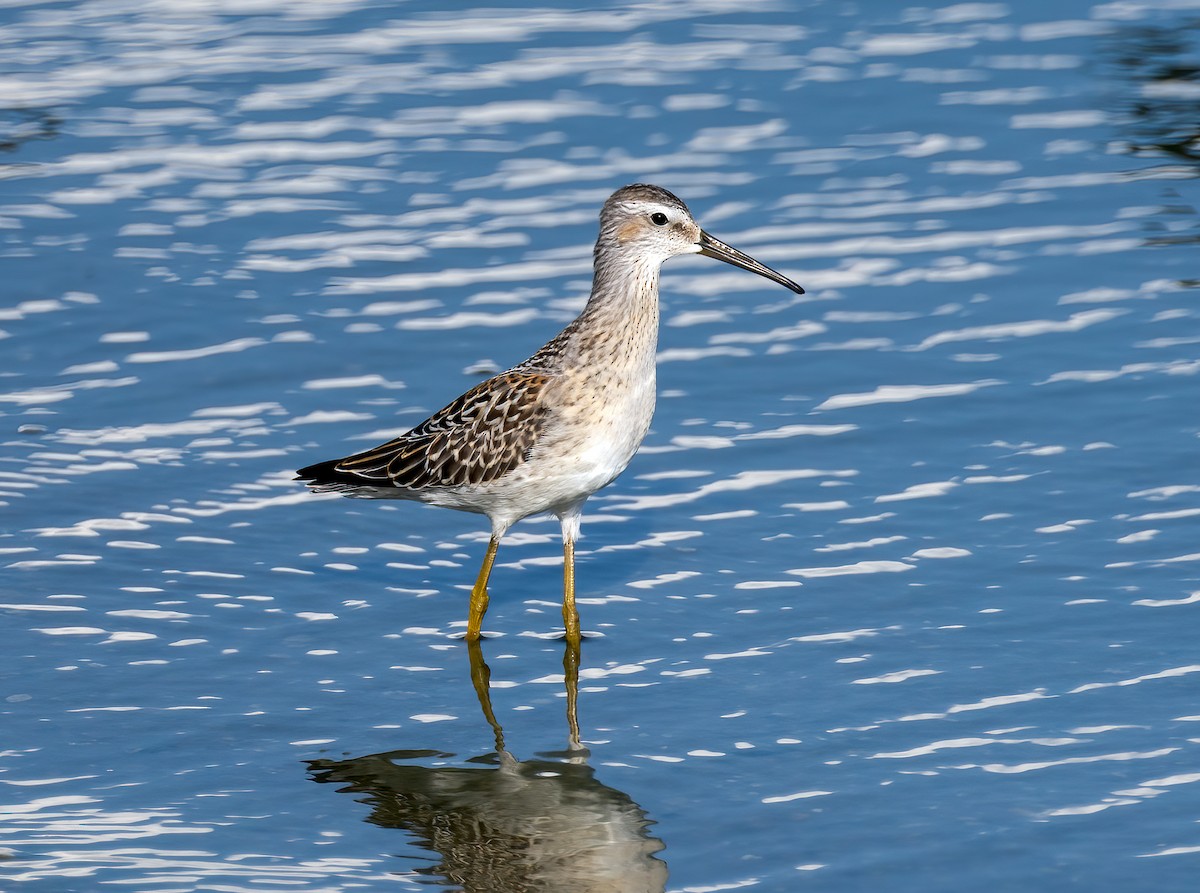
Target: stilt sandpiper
x,y
551,431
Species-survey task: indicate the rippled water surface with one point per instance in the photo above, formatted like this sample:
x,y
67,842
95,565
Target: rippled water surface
x,y
901,592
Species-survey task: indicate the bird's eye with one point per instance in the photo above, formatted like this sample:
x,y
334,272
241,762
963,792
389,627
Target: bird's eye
x,y
658,218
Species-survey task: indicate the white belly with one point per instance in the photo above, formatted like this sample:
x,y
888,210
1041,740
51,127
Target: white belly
x,y
584,448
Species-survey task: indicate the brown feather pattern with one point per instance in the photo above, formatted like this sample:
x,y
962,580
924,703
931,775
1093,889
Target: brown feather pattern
x,y
479,438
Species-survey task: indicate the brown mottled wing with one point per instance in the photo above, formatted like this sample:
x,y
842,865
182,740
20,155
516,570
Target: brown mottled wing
x,y
481,436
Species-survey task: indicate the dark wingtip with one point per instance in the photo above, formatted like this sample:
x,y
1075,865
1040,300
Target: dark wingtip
x,y
321,473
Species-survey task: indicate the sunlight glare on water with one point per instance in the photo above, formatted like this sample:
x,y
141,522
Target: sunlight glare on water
x,y
901,587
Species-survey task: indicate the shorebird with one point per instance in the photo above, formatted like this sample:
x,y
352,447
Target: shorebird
x,y
546,434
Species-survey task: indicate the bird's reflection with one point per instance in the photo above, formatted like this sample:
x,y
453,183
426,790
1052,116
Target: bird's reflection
x,y
508,825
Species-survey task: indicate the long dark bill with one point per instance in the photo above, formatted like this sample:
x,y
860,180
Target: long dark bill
x,y
711,247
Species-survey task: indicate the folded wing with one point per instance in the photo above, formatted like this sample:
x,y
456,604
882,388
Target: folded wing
x,y
479,438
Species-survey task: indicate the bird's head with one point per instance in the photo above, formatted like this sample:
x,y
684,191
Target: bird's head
x,y
651,224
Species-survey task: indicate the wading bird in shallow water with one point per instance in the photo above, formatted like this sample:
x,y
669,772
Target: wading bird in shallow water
x,y
551,431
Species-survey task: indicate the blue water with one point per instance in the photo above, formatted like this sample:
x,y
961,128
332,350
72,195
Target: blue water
x,y
901,592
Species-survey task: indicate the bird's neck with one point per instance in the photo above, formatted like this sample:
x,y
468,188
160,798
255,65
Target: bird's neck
x,y
616,335
624,284
619,325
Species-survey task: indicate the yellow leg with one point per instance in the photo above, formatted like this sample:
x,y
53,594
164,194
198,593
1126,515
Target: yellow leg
x,y
570,614
479,595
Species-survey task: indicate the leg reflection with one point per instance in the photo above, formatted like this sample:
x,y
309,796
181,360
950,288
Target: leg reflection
x,y
541,825
571,680
481,680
